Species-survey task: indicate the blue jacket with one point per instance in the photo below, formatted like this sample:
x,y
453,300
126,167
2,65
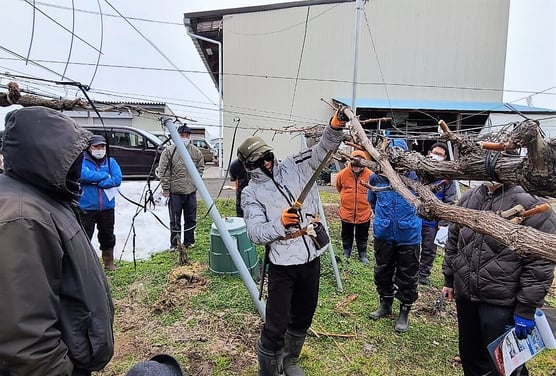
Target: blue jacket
x,y
447,195
95,178
395,219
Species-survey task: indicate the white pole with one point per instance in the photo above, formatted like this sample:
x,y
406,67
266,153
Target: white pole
x,y
229,242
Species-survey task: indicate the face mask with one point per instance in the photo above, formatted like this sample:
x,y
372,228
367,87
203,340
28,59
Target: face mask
x,y
437,157
98,154
186,141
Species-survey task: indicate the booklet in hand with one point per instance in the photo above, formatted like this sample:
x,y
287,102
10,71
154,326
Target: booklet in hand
x,y
508,352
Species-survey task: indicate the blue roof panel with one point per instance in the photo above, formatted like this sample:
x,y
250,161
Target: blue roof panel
x,y
413,104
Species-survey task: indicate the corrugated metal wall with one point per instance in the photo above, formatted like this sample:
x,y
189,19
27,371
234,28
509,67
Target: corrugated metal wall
x,y
435,50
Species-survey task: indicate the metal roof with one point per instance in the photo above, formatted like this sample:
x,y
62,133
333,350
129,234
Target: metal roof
x,y
208,24
260,8
431,105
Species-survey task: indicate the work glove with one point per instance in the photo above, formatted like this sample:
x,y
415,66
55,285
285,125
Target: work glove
x,y
523,326
290,217
339,119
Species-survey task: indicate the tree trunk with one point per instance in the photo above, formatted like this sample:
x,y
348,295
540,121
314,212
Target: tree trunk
x,y
523,239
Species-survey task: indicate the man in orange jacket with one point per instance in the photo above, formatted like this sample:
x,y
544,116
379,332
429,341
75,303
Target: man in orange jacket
x,y
355,210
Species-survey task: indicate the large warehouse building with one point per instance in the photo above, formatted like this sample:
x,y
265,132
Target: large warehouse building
x,y
417,61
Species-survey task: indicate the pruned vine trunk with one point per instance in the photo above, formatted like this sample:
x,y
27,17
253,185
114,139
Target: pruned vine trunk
x,y
523,239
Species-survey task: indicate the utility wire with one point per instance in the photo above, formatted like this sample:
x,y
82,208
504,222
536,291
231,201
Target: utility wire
x,y
324,80
32,35
101,43
59,24
300,58
71,40
109,15
31,61
159,51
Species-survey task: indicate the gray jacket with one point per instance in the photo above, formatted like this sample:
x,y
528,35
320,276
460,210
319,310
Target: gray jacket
x,y
56,313
174,176
481,269
263,202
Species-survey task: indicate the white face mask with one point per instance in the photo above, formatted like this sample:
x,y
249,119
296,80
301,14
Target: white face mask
x,y
186,141
437,157
98,154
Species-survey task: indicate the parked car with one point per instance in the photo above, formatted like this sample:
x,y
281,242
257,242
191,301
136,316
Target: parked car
x,y
209,153
137,151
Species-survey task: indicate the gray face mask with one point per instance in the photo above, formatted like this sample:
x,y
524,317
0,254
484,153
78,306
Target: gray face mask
x,y
98,154
186,141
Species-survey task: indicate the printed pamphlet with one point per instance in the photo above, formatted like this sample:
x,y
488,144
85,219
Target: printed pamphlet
x,y
508,352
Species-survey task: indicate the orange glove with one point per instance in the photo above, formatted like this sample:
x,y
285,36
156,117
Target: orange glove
x,y
339,119
290,217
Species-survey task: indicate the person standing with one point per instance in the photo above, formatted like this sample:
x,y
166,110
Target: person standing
x,y
397,238
178,185
100,178
56,312
494,288
355,211
445,191
294,262
241,178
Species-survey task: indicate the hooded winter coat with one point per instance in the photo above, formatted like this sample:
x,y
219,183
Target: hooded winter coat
x,y
56,314
263,201
481,269
174,176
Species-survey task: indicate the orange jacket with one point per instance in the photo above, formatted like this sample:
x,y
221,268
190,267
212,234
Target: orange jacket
x,y
354,207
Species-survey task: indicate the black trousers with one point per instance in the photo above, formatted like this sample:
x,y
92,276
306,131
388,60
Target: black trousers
x,y
186,205
479,324
428,251
104,221
361,231
396,270
292,300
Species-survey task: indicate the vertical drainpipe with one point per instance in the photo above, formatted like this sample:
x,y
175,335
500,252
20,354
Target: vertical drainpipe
x,y
187,24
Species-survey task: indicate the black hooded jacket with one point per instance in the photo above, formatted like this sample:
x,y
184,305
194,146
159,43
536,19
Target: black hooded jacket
x,y
481,269
56,312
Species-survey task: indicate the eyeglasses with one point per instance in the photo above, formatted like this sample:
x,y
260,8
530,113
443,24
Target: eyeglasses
x,y
267,157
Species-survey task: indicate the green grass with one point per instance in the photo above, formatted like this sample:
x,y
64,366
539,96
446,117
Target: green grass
x,y
224,315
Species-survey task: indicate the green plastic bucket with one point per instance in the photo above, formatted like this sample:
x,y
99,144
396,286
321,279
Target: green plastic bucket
x,y
220,261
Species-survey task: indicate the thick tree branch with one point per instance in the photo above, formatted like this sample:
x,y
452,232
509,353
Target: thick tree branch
x,y
523,239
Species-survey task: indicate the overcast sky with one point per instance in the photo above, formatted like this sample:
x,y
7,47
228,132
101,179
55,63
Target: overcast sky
x,y
135,67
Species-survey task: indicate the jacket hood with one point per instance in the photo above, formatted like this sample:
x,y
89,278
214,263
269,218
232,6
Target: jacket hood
x,y
398,143
40,146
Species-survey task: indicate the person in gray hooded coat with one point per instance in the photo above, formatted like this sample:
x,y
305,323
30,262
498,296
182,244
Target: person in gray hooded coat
x,y
294,264
56,314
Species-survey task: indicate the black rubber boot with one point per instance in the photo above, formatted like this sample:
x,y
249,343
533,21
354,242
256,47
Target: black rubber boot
x,y
402,325
385,308
363,258
270,363
293,342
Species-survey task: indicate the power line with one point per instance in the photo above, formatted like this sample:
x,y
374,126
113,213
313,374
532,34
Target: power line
x,y
108,14
101,42
324,80
159,51
62,26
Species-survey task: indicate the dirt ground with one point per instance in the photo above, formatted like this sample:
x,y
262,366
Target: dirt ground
x,y
134,332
